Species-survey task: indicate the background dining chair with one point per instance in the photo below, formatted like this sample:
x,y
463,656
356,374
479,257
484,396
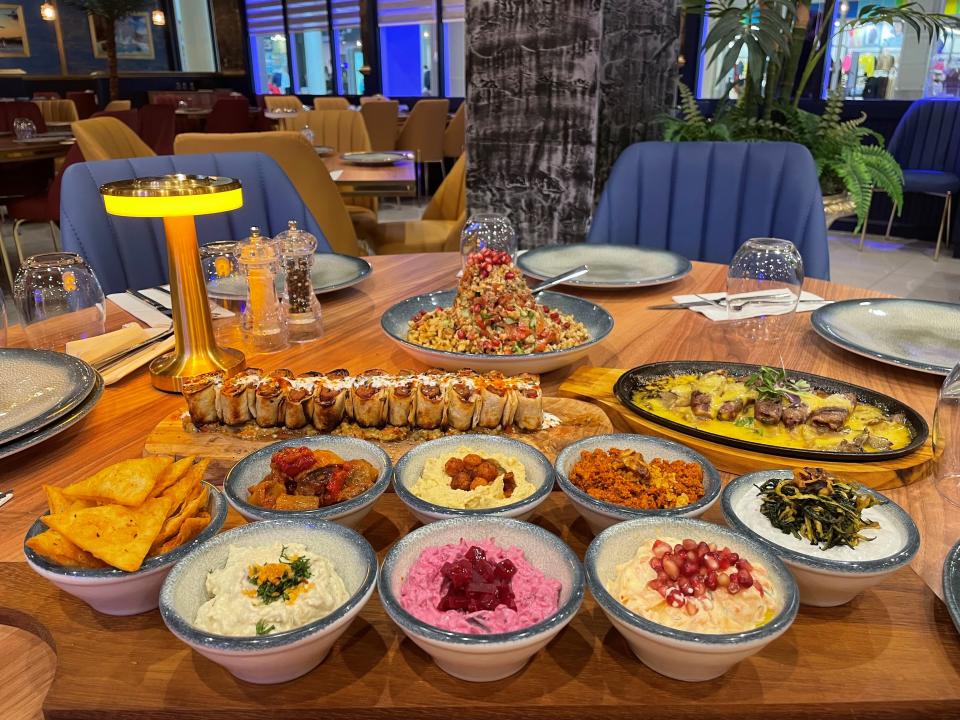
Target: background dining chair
x,y
380,119
373,98
56,110
131,252
303,167
926,143
46,95
343,130
454,137
85,102
423,132
439,228
10,111
331,103
116,105
130,118
229,115
106,138
704,199
158,126
282,102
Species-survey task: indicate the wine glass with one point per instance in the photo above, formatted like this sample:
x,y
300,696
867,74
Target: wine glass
x,y
24,128
59,299
765,279
946,438
487,230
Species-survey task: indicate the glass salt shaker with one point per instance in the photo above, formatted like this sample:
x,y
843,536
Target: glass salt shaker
x,y
308,134
263,322
298,248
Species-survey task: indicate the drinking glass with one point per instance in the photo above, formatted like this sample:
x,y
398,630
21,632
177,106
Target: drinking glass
x,y
488,230
765,280
24,129
3,321
59,299
946,438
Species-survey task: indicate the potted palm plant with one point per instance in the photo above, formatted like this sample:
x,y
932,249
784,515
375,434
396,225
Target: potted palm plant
x,y
110,12
782,57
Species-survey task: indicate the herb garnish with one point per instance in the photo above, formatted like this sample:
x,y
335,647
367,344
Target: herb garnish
x,y
773,384
275,580
262,628
817,506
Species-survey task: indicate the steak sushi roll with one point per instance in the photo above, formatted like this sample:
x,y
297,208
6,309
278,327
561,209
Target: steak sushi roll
x,y
463,403
430,408
529,413
268,409
281,373
202,395
369,395
401,399
329,404
234,407
297,401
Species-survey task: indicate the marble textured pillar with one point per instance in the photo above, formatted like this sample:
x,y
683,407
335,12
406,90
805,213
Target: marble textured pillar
x,y
547,80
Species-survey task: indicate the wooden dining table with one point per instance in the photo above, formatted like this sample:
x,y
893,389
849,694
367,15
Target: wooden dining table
x,y
14,151
397,180
890,653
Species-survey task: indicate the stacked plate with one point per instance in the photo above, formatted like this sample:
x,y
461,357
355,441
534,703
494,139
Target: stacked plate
x,y
43,394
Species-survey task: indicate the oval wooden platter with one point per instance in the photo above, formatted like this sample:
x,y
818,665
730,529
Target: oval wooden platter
x,y
596,385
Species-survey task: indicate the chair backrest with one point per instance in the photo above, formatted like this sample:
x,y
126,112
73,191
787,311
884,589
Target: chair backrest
x,y
704,199
331,103
60,110
86,102
117,105
72,157
106,138
130,118
928,136
282,102
229,115
10,111
130,252
306,171
455,136
423,130
158,125
46,95
373,98
380,117
343,130
450,200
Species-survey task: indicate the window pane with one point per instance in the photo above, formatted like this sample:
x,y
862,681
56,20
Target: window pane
x,y
268,46
349,45
866,60
454,58
310,43
944,75
408,47
194,36
711,84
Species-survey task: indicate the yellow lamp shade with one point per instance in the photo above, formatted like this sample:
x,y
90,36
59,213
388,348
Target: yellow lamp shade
x,y
172,196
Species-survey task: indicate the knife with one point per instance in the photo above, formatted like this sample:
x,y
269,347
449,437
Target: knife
x,y
151,302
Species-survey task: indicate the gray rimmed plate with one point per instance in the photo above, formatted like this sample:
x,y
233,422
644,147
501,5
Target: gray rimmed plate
x,y
324,150
951,583
918,334
374,158
611,266
598,322
40,387
330,271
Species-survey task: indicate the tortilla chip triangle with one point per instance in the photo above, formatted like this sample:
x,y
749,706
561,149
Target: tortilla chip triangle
x,y
58,502
55,547
120,536
190,508
187,485
188,531
170,475
127,482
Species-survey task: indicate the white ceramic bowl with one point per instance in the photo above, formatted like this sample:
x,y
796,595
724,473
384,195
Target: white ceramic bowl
x,y
539,472
277,657
600,515
116,592
839,575
256,466
680,654
483,658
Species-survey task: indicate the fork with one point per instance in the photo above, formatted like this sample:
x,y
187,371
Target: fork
x,y
5,497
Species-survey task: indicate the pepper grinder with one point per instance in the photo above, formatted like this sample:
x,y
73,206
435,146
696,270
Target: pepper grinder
x,y
298,249
263,323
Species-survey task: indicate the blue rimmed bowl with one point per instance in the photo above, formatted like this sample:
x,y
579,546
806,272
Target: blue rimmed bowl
x,y
483,658
254,467
951,583
117,592
681,654
539,473
600,515
833,577
396,324
277,657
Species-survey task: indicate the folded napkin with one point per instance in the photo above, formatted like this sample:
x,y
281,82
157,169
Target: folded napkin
x,y
335,174
96,349
149,314
808,302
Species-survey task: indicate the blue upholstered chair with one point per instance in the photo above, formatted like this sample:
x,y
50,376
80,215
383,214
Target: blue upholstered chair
x,y
704,199
131,252
926,143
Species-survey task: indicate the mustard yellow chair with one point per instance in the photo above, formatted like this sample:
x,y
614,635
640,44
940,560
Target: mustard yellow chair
x,y
118,105
380,118
343,130
454,138
282,102
423,130
373,98
331,103
439,228
54,110
106,138
305,169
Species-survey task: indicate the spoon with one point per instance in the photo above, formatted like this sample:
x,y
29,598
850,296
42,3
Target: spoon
x,y
561,278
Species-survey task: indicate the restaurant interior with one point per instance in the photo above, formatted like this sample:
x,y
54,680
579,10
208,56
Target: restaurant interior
x,y
433,358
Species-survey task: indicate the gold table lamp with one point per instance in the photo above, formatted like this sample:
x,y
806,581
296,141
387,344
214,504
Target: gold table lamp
x,y
177,199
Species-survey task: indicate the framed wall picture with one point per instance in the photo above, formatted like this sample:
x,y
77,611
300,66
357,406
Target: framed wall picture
x,y
13,33
134,37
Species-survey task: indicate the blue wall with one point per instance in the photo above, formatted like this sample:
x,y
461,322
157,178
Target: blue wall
x,y
400,61
45,60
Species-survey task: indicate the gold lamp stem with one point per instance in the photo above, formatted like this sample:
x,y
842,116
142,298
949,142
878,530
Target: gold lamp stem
x,y
196,350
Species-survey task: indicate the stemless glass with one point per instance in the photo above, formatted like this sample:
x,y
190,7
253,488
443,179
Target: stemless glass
x,y
765,280
59,299
220,266
24,129
487,230
946,438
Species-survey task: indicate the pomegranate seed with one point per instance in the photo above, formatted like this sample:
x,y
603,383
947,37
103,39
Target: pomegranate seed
x,y
692,609
744,565
656,564
702,549
699,587
660,548
671,568
654,585
711,581
689,544
675,598
690,569
509,276
723,580
678,549
744,579
461,334
733,588
724,562
484,274
692,556
662,577
713,547
734,558
710,561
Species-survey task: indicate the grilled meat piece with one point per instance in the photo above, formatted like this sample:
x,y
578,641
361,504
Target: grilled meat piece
x,y
768,412
828,418
700,403
794,415
730,410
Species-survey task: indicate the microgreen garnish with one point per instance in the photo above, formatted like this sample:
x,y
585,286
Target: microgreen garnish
x,y
275,580
773,384
262,628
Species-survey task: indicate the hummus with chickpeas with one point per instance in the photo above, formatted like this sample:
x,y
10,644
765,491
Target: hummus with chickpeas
x,y
468,479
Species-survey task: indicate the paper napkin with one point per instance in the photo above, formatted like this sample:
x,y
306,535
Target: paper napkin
x,y
150,315
96,349
808,303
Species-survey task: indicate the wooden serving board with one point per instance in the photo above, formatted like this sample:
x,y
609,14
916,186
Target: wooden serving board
x,y
173,436
893,653
596,385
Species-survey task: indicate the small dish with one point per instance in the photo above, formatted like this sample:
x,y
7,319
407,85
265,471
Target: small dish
x,y
374,159
254,467
115,592
600,515
538,469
